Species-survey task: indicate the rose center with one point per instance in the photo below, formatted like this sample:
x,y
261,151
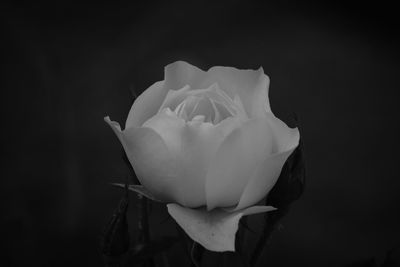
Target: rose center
x,y
203,108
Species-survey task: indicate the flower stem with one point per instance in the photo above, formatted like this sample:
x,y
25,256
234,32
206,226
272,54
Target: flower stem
x,y
143,225
143,221
188,246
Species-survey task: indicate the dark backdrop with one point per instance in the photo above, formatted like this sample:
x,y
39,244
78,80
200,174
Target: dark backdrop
x,y
67,66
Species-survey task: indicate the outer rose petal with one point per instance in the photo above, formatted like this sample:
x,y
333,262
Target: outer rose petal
x,y
150,159
262,179
214,230
265,175
250,85
237,157
286,138
146,105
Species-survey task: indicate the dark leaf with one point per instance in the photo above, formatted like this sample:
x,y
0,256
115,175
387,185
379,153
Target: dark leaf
x,y
115,240
143,252
271,221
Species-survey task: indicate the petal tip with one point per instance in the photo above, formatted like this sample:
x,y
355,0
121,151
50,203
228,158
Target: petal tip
x,y
113,124
177,64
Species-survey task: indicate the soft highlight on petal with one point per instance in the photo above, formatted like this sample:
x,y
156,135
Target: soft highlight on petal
x,y
215,230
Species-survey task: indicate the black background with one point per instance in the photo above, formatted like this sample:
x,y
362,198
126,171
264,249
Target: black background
x,y
67,66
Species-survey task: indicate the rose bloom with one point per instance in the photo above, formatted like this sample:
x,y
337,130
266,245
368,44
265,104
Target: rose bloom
x,y
207,138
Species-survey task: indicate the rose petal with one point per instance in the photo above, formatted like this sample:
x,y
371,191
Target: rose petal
x,y
150,158
214,230
250,85
146,105
238,155
262,179
286,138
174,98
169,127
192,145
265,175
180,74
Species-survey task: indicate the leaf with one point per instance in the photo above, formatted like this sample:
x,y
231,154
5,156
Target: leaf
x,y
139,189
115,241
142,252
215,230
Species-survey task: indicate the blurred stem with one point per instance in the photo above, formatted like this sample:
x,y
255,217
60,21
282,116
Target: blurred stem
x,y
271,220
143,222
196,254
143,225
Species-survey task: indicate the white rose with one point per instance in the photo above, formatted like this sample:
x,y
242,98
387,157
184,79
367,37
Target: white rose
x,y
207,138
